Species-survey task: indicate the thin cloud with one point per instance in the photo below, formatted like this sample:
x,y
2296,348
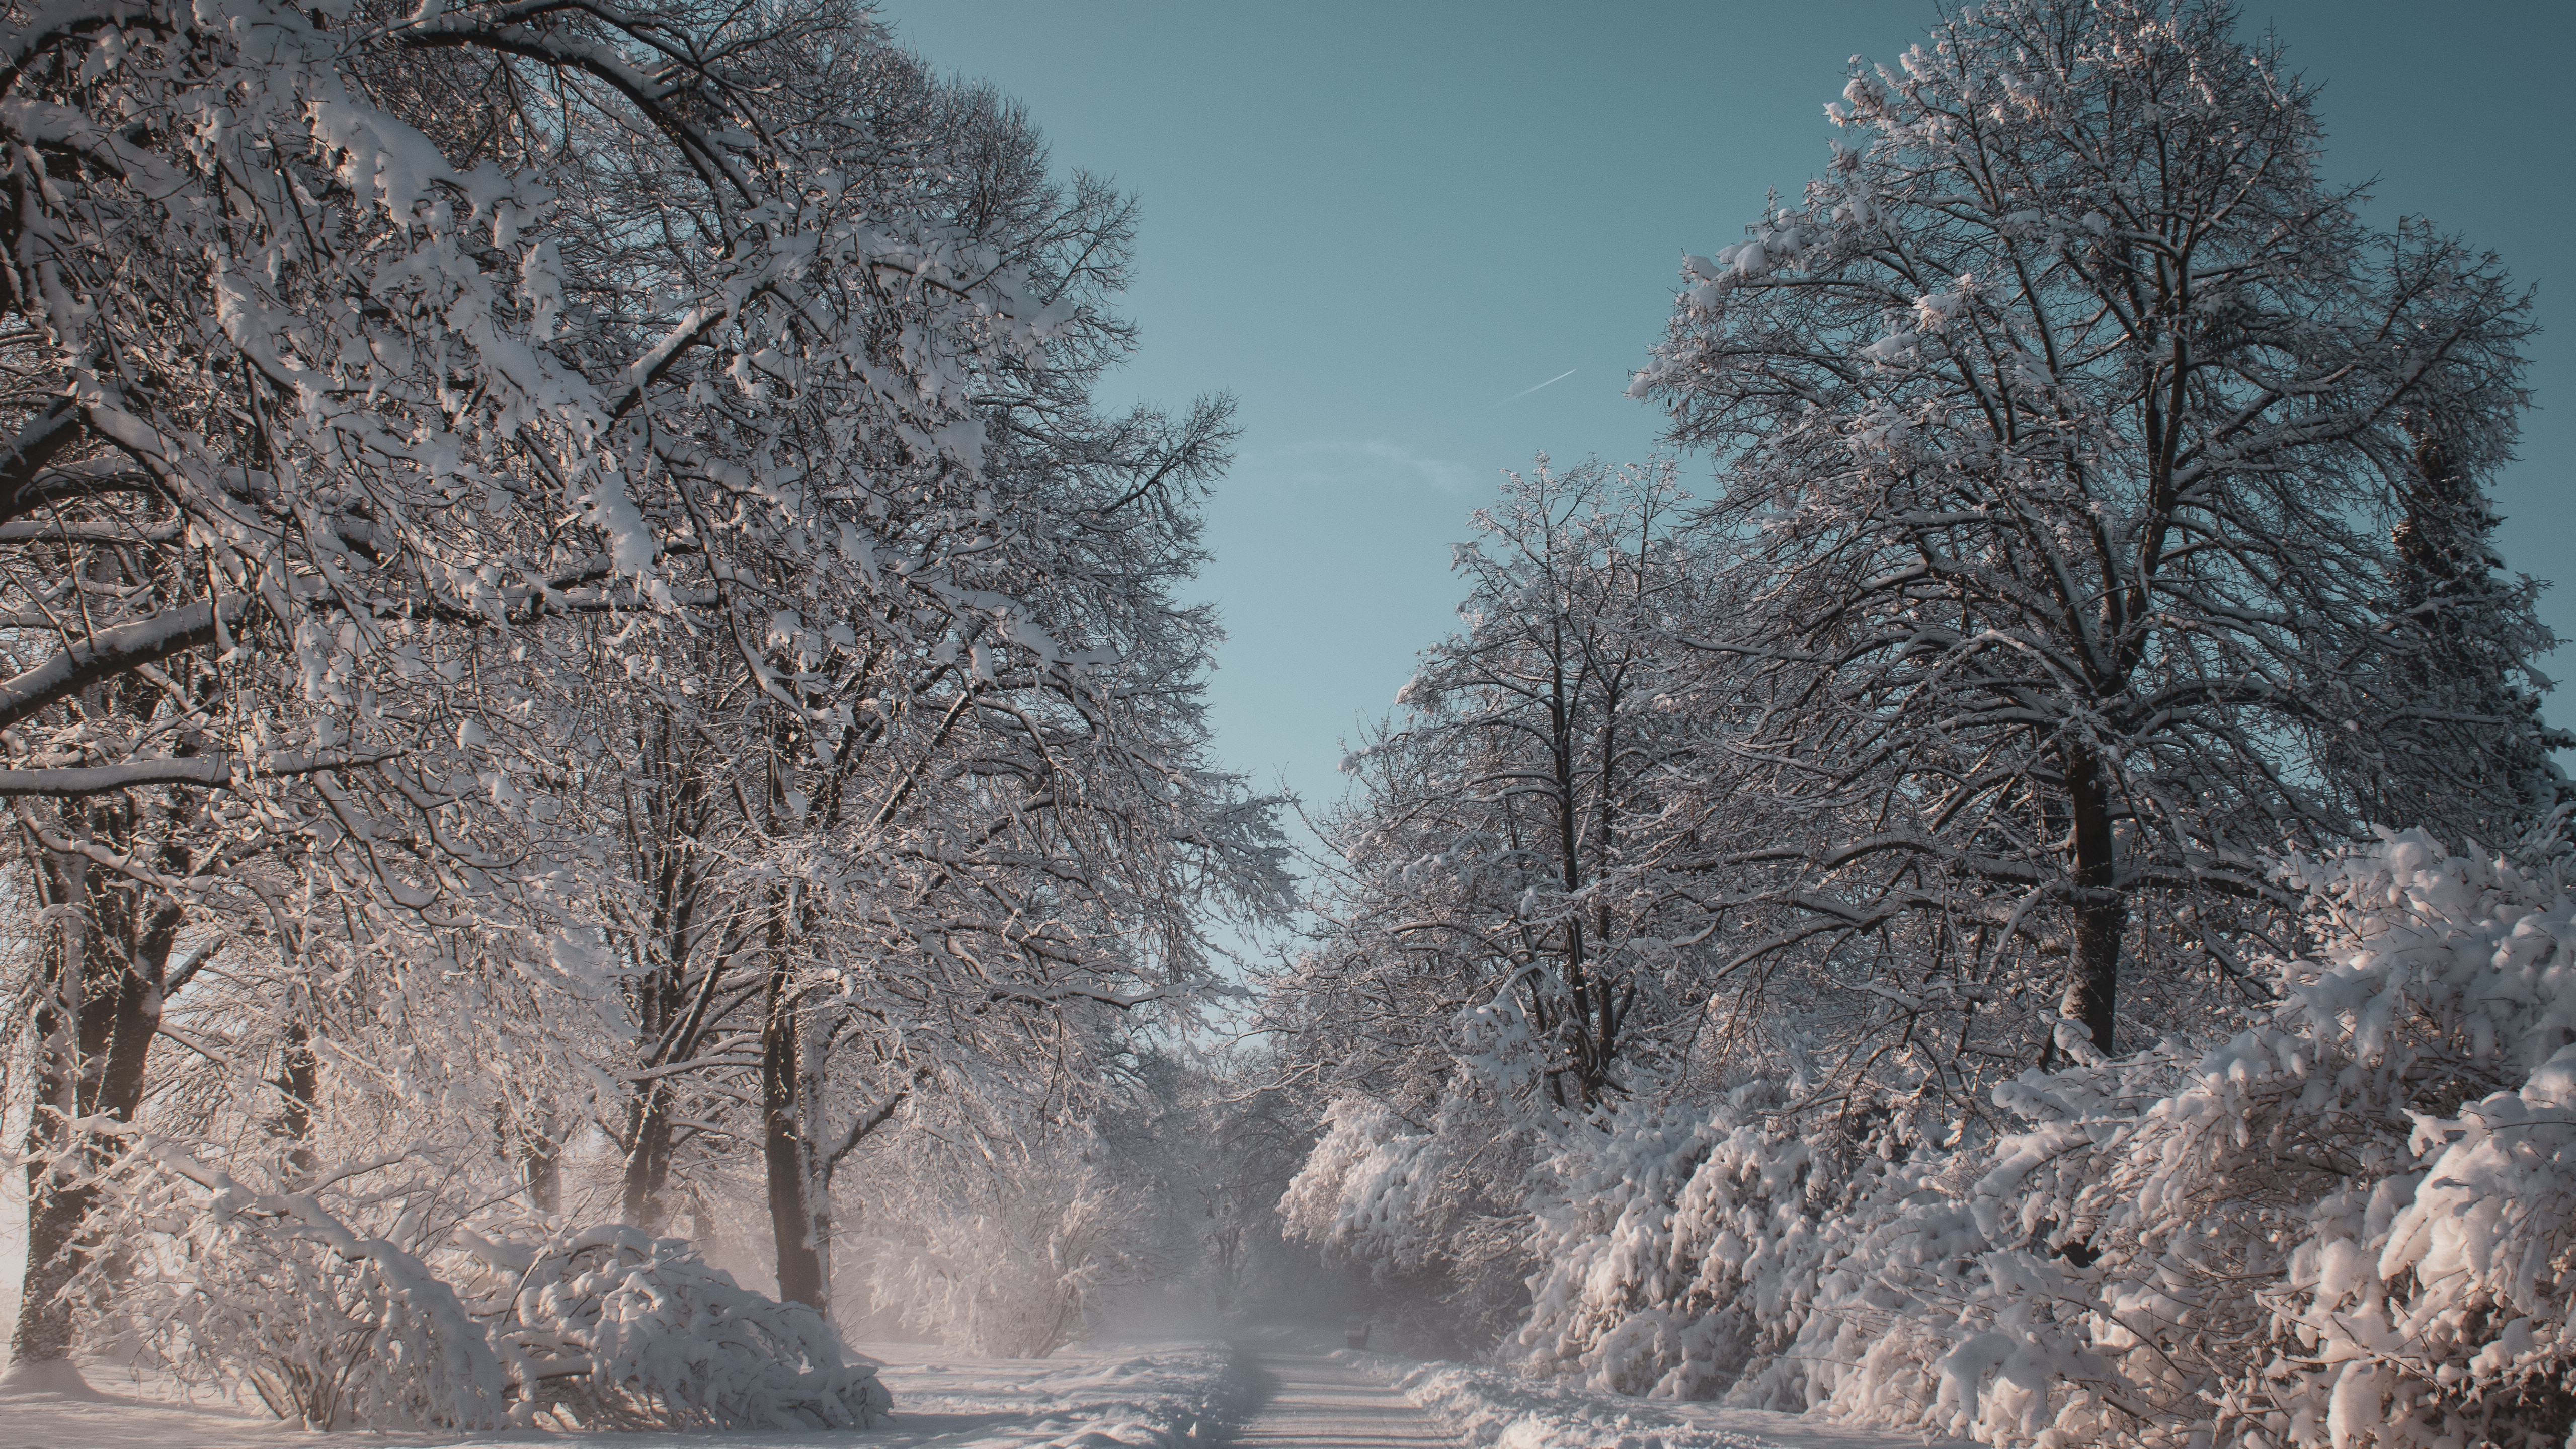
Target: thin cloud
x,y
1339,460
1551,382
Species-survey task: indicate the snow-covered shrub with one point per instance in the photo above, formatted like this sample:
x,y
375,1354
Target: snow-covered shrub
x,y
2348,1225
617,1329
329,1325
382,1309
1680,1246
1368,1189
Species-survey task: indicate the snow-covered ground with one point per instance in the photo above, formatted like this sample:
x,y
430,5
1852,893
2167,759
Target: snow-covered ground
x,y
1497,1409
1150,1396
1128,1396
1174,1395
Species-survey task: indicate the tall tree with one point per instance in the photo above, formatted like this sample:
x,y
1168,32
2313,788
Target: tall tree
x,y
2051,427
1512,931
2456,742
1511,836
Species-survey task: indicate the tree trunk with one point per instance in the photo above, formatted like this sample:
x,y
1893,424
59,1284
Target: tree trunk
x,y
299,1076
648,1157
55,1209
817,1168
94,1028
802,1275
541,1164
2101,910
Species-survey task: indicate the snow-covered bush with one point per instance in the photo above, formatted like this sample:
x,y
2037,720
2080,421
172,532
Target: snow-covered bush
x,y
617,1329
329,1325
382,1309
1369,1189
2353,1218
1679,1247
2348,1225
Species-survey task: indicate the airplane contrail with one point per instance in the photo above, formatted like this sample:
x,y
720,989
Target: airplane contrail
x,y
1551,382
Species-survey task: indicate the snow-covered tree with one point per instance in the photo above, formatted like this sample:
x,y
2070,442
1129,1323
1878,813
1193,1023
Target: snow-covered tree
x,y
1510,835
1512,938
2459,746
2052,424
957,718
529,522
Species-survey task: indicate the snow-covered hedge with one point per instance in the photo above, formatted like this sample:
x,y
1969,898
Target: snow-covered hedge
x,y
2353,1223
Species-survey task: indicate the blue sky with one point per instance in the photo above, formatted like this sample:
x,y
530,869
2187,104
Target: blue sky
x,y
1376,223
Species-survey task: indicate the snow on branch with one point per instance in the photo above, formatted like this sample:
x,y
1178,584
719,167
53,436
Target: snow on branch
x,y
114,651
210,771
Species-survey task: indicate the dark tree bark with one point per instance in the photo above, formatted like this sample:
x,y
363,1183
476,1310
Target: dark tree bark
x,y
2101,907
801,1234
648,1158
105,957
676,999
299,1076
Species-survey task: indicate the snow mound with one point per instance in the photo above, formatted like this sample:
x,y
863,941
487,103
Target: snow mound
x,y
338,1308
59,1377
615,1328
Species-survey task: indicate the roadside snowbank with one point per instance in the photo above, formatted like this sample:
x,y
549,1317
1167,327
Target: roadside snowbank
x,y
1124,1396
1496,1408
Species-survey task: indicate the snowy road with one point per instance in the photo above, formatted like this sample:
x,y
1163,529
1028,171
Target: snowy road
x,y
1310,1402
